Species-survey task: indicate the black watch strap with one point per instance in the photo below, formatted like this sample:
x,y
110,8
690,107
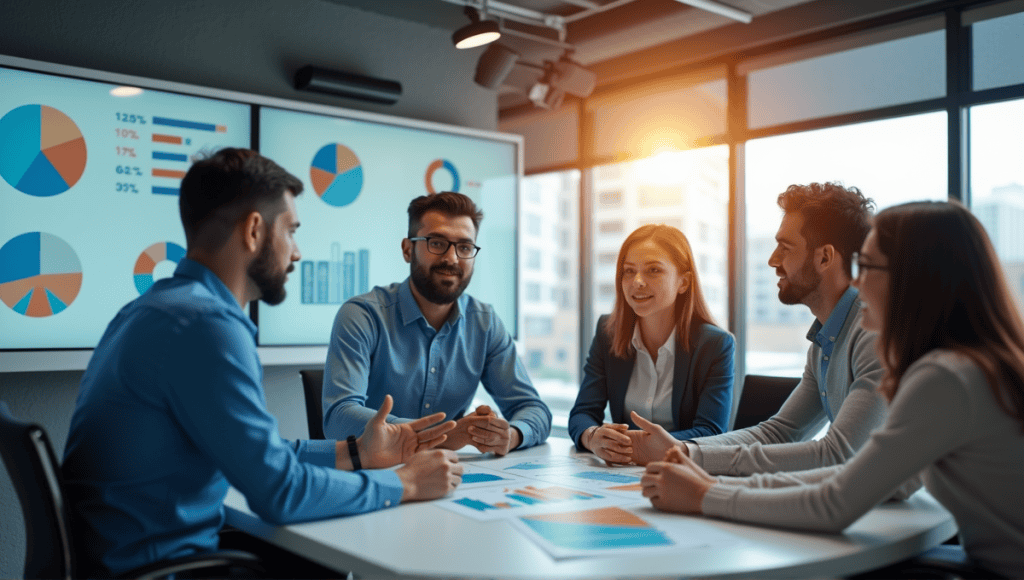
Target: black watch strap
x,y
353,452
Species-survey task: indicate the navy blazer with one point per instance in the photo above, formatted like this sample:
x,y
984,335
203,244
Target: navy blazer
x,y
701,385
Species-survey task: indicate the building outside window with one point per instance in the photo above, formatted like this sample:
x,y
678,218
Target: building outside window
x,y
684,189
997,183
550,334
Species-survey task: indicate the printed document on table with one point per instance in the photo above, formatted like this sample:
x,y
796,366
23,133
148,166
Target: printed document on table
x,y
502,502
612,531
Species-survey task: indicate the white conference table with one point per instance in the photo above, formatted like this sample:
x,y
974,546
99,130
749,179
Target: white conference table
x,y
422,540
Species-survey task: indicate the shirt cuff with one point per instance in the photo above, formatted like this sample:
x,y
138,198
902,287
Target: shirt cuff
x,y
390,486
524,428
695,453
317,452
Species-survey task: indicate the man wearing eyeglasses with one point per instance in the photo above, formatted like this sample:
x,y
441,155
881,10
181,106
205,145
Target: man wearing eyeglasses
x,y
428,344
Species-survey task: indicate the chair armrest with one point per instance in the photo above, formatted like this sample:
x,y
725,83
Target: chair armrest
x,y
218,559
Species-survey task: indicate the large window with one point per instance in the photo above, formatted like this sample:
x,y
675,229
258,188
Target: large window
x,y
550,284
887,85
997,44
997,183
891,161
853,73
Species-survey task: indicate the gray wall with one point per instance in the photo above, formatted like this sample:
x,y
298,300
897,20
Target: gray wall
x,y
253,46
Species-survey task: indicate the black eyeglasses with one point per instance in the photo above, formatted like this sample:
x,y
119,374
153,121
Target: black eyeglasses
x,y
439,246
861,267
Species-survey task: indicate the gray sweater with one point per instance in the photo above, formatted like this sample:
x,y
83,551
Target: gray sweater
x,y
783,442
944,425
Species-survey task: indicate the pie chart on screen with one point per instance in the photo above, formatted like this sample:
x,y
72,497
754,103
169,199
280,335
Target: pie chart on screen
x,y
336,174
40,274
42,151
149,259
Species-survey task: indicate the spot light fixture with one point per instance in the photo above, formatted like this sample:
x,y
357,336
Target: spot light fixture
x,y
478,32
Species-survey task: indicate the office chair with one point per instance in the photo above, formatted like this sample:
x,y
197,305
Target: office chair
x,y
49,549
762,397
935,564
312,388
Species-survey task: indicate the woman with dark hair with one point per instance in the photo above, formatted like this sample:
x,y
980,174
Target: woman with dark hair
x,y
659,354
951,342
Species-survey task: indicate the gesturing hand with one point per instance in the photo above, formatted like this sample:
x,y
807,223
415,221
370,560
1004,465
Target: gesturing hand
x,y
652,442
430,475
384,444
676,484
610,442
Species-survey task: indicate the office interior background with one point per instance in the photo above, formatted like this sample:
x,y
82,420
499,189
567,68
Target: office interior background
x,y
696,121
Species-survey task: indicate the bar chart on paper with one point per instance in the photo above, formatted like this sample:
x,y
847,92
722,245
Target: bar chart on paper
x,y
497,502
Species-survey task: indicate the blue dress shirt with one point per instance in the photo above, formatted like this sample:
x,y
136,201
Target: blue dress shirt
x,y
824,335
382,344
171,411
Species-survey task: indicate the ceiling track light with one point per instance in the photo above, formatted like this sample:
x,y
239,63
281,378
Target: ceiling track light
x,y
477,33
720,9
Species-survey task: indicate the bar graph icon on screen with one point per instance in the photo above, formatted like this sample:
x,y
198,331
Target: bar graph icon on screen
x,y
334,281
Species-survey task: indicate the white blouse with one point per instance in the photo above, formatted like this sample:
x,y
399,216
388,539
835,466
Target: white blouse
x,y
649,392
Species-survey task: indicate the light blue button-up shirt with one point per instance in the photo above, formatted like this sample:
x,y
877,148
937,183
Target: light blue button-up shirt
x,y
381,344
171,411
825,337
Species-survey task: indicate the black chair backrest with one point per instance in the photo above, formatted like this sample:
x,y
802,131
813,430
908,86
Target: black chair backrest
x,y
312,388
35,473
762,397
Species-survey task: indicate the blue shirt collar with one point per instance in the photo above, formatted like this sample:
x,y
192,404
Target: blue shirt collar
x,y
411,310
191,269
823,333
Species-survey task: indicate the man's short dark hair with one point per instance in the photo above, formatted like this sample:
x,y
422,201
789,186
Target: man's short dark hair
x,y
449,203
833,214
227,185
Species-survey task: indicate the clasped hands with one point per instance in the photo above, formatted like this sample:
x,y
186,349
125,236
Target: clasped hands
x,y
486,431
675,483
616,443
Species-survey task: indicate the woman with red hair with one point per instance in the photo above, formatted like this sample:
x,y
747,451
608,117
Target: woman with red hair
x,y
659,354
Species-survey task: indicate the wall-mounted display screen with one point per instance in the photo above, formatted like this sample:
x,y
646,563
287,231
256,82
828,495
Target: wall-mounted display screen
x,y
359,178
89,198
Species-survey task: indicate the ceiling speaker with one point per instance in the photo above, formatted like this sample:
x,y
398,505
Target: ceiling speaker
x,y
352,86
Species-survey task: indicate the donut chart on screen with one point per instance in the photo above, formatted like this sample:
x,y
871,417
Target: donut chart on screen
x,y
40,274
42,151
447,166
336,174
152,256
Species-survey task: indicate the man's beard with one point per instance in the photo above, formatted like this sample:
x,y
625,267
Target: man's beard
x,y
794,291
264,274
437,293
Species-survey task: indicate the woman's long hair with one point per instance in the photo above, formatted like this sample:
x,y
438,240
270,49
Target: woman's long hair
x,y
690,309
947,290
